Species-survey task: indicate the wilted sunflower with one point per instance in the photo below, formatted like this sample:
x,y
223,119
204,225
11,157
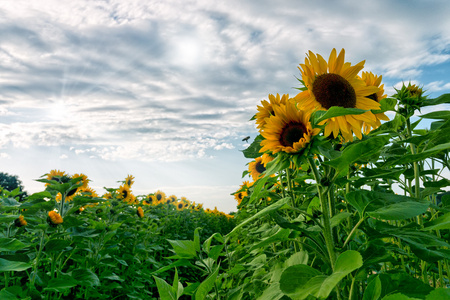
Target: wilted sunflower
x,y
266,110
374,80
335,83
124,193
289,130
160,196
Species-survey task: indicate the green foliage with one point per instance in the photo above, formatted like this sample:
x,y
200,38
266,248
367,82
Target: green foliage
x,y
103,250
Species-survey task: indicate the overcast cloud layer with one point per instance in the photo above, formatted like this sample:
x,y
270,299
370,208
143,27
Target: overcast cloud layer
x,y
179,80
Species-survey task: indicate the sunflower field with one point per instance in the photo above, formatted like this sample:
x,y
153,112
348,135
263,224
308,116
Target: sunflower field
x,y
67,242
346,196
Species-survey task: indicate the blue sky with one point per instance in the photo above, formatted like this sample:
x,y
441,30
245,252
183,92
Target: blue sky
x,y
164,90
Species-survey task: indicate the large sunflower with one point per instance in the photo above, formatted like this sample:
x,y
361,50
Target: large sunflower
x,y
289,130
374,80
266,110
335,83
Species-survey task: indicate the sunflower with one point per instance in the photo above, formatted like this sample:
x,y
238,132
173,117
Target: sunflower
x,y
57,175
267,108
335,83
160,196
19,222
374,80
199,207
150,200
124,193
84,179
172,199
258,166
140,212
129,180
54,218
242,191
180,205
289,130
107,195
88,192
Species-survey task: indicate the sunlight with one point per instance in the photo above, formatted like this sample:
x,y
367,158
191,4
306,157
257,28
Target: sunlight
x,y
58,110
186,51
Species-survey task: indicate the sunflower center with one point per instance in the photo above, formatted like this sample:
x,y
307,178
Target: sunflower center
x,y
159,197
260,167
292,133
124,194
333,90
373,96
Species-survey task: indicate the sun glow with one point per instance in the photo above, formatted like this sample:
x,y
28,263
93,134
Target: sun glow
x,y
186,51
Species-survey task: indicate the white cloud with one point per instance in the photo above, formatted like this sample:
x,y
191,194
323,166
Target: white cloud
x,y
4,155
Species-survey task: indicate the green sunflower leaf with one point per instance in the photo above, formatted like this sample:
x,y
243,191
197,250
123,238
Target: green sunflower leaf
x,y
444,98
252,151
8,265
336,111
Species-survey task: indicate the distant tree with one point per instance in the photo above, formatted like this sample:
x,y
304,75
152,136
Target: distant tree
x,y
12,182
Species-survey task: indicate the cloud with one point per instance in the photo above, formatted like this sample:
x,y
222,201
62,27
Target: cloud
x,y
146,81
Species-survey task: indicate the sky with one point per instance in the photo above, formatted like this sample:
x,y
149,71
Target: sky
x,y
164,90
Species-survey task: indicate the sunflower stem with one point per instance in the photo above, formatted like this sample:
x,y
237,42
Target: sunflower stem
x,y
325,214
289,186
416,170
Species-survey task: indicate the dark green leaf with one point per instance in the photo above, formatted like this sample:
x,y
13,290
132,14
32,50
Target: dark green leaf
x,y
184,249
355,152
440,115
8,265
165,291
86,277
399,211
61,285
275,206
444,98
11,244
346,263
294,278
373,290
56,245
206,286
439,294
280,235
252,151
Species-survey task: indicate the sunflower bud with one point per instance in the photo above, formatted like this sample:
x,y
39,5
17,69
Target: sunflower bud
x,y
54,218
411,98
19,222
140,212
